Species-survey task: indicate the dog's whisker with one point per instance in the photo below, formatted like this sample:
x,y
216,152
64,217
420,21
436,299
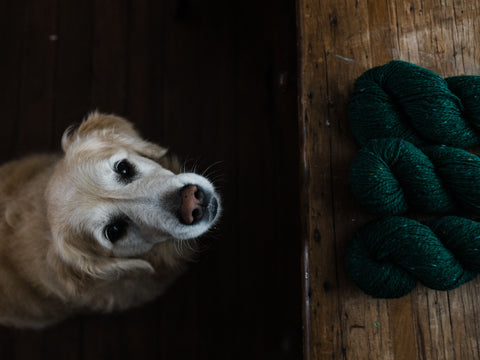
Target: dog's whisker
x,y
178,247
195,167
211,166
216,177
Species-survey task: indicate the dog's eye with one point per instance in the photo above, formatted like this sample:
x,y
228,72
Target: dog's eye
x,y
125,169
116,230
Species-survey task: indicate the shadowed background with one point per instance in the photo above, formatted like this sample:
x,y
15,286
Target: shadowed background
x,y
215,81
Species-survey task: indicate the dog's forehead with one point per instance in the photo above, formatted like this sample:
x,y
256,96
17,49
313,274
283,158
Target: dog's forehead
x,y
91,212
94,149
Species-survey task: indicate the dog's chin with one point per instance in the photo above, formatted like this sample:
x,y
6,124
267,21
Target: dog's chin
x,y
180,231
183,233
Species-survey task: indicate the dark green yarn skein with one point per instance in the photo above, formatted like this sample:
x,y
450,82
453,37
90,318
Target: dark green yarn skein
x,y
404,100
387,257
391,176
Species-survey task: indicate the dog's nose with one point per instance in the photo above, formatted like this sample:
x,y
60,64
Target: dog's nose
x,y
191,204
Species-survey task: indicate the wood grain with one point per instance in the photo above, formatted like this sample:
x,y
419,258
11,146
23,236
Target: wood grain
x,y
338,41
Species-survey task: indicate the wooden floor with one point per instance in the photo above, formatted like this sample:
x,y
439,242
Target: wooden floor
x,y
339,40
213,80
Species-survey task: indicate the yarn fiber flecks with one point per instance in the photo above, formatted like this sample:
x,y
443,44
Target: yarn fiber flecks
x,y
387,257
392,176
406,101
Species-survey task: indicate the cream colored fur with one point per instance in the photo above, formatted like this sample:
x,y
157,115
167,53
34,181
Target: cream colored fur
x,y
55,260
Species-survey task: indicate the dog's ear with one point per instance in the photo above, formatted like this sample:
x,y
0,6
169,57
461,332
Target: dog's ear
x,y
97,122
171,162
112,127
83,260
150,150
69,135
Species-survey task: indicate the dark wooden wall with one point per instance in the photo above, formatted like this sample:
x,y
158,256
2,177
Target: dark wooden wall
x,y
216,82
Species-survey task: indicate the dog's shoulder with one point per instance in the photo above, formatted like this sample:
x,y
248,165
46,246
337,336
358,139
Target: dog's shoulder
x,y
15,174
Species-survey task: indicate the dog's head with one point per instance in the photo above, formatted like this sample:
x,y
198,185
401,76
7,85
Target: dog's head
x,y
111,197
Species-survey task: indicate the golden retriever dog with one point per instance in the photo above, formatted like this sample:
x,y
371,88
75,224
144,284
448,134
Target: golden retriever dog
x,y
97,229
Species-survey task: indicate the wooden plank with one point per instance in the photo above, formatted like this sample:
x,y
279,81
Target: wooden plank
x,y
109,61
339,41
63,340
37,79
286,272
13,21
102,335
73,73
157,23
26,344
27,110
253,178
141,330
236,123
140,36
72,88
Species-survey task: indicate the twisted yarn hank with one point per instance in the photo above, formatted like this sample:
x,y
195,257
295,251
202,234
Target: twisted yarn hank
x,y
391,176
406,101
387,257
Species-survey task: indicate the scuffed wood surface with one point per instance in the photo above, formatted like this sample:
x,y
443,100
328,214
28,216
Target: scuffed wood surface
x,y
339,41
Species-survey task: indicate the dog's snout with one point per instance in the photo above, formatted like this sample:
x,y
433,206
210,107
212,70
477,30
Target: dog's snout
x,y
192,209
